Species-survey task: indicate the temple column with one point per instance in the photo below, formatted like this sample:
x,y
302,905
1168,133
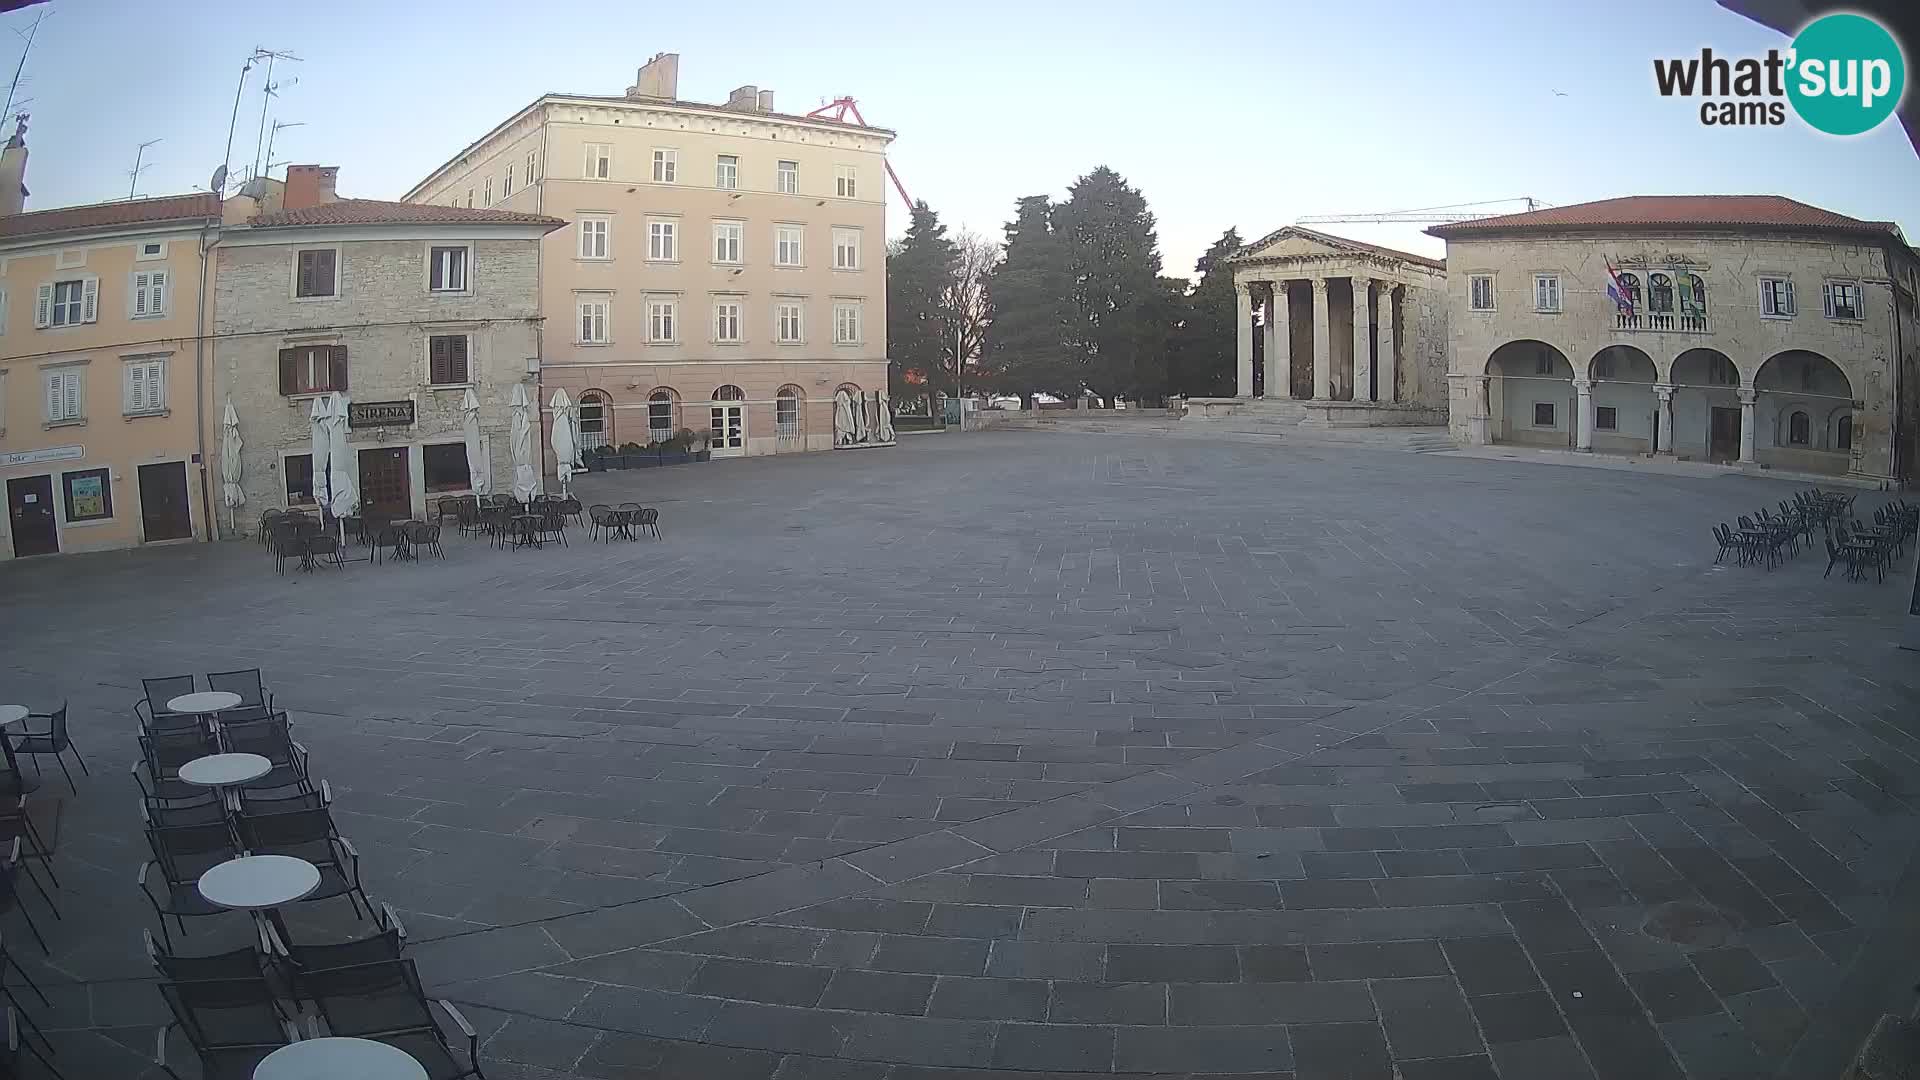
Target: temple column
x,y
1388,364
1362,340
1663,419
1322,343
1243,312
1278,339
1583,414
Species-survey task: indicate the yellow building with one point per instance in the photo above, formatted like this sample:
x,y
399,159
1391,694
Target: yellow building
x,y
723,268
102,416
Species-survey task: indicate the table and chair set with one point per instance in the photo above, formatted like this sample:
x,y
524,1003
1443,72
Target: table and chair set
x,y
628,521
1767,537
22,846
237,823
311,542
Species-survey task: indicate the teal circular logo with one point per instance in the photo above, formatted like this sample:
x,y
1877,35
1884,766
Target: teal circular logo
x,y
1846,74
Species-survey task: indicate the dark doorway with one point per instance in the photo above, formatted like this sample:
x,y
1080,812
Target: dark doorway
x,y
1723,438
385,485
1654,426
164,510
1260,355
30,510
1299,331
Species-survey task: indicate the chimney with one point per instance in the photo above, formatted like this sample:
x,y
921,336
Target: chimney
x,y
744,99
310,185
659,78
766,101
13,170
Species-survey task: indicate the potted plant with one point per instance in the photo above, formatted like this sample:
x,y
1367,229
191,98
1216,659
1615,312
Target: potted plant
x,y
698,448
678,449
627,456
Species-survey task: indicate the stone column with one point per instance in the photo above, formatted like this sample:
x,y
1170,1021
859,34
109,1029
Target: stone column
x,y
1663,418
1278,342
1243,311
1747,399
1322,344
1389,364
1480,416
1362,340
1583,414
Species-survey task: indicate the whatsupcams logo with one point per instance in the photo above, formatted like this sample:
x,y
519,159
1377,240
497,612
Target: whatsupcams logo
x,y
1843,74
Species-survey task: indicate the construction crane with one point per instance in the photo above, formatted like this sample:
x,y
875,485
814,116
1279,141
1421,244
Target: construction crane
x,y
1430,215
837,110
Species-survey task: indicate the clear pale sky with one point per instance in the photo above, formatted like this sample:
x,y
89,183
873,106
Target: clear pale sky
x,y
1222,112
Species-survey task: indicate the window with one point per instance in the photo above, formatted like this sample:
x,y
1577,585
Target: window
x,y
662,245
1799,428
1631,283
1693,295
1660,290
488,192
846,249
788,243
786,177
592,421
152,249
297,470
506,185
447,360
593,319
1605,418
727,238
469,198
726,172
146,387
445,466
1843,299
786,322
149,294
313,369
1843,434
315,273
1721,372
1543,414
594,234
89,495
666,166
1480,292
447,269
846,324
660,415
1543,363
786,413
1546,292
1603,367
845,181
533,162
65,397
726,320
67,303
599,161
1776,298
661,315
729,392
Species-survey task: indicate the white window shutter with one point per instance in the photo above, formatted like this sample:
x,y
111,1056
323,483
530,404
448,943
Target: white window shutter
x,y
1789,298
139,294
55,397
1826,290
73,393
157,284
43,308
136,388
89,299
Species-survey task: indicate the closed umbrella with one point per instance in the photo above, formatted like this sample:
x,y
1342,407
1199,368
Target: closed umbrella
x,y
230,492
320,414
566,440
479,468
525,480
342,499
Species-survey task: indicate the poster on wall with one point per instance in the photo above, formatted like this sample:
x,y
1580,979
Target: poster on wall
x,y
89,496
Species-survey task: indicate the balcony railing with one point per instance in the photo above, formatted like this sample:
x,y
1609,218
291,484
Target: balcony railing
x,y
1664,323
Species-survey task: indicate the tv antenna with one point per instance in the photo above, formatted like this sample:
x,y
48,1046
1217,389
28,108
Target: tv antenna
x,y
278,125
14,87
133,174
268,90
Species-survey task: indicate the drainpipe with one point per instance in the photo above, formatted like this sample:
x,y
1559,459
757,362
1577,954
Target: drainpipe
x,y
200,379
1899,369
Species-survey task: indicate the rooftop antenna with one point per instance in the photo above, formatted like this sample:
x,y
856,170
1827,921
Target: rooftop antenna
x,y
271,135
218,185
14,86
266,97
133,175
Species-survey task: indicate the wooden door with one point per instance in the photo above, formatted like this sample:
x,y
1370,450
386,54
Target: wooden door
x,y
30,514
386,486
1723,439
165,513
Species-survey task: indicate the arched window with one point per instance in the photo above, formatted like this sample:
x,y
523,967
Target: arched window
x,y
1661,300
1603,366
1631,282
596,421
1799,428
1693,296
786,412
660,415
1843,434
729,392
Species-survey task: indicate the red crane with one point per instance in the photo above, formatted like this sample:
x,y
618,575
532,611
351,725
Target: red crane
x,y
837,110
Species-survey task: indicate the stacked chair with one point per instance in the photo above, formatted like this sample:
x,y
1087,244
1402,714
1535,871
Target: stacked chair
x,y
1768,537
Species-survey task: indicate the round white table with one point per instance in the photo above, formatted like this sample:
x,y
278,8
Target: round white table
x,y
224,770
9,716
204,702
254,882
330,1059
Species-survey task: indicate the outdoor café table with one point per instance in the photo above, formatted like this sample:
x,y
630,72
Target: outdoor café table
x,y
260,883
223,771
336,1059
526,530
9,716
204,703
622,522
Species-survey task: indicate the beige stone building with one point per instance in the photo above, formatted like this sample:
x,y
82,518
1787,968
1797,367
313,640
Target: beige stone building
x,y
1355,333
100,406
724,266
1754,329
402,307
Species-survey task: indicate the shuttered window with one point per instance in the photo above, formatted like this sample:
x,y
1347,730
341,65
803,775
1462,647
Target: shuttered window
x,y
1776,298
447,359
149,294
146,387
1480,292
67,303
313,369
315,274
64,397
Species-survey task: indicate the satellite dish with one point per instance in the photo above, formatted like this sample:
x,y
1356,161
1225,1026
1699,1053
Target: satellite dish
x,y
219,181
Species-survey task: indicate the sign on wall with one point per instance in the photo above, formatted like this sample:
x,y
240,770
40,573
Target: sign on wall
x,y
367,414
48,453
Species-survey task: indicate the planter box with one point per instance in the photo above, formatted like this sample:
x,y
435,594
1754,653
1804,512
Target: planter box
x,y
704,455
596,463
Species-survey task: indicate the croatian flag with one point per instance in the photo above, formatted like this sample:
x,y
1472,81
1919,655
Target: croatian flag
x,y
1618,291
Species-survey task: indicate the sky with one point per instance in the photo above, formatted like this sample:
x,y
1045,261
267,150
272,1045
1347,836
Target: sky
x,y
1223,113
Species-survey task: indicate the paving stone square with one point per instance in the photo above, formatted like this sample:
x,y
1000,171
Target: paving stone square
x,y
1033,754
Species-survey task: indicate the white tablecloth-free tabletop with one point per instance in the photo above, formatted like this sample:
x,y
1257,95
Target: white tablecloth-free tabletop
x,y
333,1059
224,770
12,714
206,701
252,882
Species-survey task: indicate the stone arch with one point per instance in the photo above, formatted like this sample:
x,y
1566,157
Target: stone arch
x,y
1530,397
1704,367
1804,372
1799,398
1520,358
1705,380
1839,428
1622,363
1624,405
729,392
595,415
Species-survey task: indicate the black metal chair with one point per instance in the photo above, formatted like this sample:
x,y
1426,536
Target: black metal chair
x,y
600,521
164,752
255,801
182,854
384,1001
158,692
20,1046
287,541
648,520
209,809
570,507
553,523
272,738
255,699
230,1023
424,536
16,824
388,942
246,962
10,896
310,835
9,964
54,740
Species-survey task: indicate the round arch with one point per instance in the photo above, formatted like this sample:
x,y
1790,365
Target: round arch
x,y
1625,411
594,413
1622,363
663,413
729,392
1528,358
1803,412
790,417
1530,398
1706,408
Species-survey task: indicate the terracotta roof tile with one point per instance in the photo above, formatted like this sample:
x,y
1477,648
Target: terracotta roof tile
x,y
171,209
381,212
1656,211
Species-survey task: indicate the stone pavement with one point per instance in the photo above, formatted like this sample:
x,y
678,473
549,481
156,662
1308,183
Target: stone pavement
x,y
1052,753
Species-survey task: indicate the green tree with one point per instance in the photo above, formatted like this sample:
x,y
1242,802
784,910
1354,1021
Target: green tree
x,y
1029,318
919,274
1113,256
1202,357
